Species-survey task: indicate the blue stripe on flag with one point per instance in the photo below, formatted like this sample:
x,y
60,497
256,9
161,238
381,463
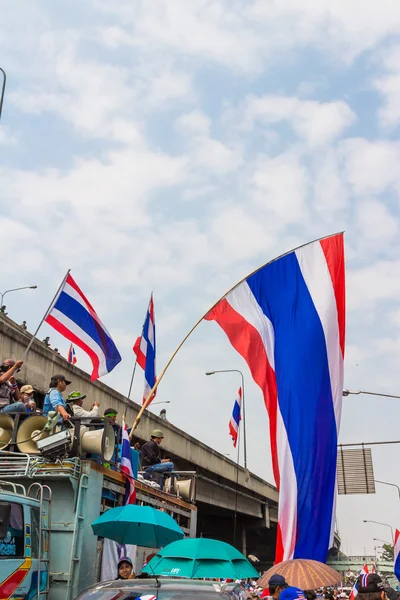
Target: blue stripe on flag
x,y
236,412
79,315
304,396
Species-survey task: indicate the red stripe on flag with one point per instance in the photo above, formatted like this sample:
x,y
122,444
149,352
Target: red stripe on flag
x,y
247,341
67,333
333,248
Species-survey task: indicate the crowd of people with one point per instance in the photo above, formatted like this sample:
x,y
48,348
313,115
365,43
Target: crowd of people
x,y
370,587
15,399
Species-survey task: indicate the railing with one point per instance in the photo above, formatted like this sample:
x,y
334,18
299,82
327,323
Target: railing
x,y
14,464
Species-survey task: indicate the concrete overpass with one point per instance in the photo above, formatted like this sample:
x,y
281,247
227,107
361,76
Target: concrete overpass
x,y
220,486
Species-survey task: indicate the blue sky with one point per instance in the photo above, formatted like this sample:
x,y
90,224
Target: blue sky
x,y
175,146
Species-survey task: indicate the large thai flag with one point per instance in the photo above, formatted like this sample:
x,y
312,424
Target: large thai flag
x,y
354,592
72,315
235,418
145,350
287,320
397,554
126,467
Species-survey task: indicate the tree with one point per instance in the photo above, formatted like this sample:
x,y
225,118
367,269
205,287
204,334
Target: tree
x,y
388,552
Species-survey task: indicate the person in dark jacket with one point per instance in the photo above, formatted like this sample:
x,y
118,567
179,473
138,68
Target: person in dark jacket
x,y
151,455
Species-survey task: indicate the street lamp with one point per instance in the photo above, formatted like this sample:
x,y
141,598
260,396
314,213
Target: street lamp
x,y
357,392
383,525
243,406
163,402
27,287
2,89
391,484
379,540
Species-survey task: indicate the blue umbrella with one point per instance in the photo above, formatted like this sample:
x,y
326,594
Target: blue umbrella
x,y
137,525
200,558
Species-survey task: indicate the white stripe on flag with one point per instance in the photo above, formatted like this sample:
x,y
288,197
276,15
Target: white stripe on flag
x,y
72,326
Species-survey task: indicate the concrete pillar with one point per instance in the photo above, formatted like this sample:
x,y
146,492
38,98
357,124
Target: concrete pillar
x,y
244,541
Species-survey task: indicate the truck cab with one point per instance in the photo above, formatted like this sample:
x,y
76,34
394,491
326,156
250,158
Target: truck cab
x,y
24,541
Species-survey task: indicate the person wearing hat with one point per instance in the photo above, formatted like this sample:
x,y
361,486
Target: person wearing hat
x,y
75,399
27,397
292,593
151,455
125,569
371,587
276,585
54,399
110,416
9,392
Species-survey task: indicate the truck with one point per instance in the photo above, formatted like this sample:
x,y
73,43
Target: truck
x,y
47,504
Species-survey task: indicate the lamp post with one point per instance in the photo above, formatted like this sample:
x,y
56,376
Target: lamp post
x,y
391,485
27,287
357,392
163,402
243,407
383,525
379,540
3,87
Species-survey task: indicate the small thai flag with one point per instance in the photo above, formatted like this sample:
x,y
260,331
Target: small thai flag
x,y
397,554
72,315
236,418
71,355
354,592
145,350
126,466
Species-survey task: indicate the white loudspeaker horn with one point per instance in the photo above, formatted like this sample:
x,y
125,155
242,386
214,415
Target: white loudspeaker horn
x,y
99,441
29,432
6,429
184,486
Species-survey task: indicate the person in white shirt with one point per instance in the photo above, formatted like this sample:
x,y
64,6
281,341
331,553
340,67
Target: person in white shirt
x,y
75,399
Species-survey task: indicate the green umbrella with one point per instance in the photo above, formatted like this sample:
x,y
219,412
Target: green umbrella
x,y
137,525
196,558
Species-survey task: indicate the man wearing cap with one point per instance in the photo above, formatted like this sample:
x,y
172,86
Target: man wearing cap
x,y
27,397
276,585
151,455
75,399
54,400
9,392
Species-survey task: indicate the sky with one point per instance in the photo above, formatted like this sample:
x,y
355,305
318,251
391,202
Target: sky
x,y
177,146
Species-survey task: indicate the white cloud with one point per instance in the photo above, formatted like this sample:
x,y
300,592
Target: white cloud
x,y
280,188
316,122
388,85
376,222
371,166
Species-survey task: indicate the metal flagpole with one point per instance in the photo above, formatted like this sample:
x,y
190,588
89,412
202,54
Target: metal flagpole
x,y
237,487
155,386
45,315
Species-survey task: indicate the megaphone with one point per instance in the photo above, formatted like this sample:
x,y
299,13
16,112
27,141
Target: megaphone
x,y
182,487
99,441
6,429
30,432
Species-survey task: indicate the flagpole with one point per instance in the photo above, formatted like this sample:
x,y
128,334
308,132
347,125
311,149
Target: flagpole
x,y
155,386
45,315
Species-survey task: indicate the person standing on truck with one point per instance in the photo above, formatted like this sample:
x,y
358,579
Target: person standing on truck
x,y
9,392
54,399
